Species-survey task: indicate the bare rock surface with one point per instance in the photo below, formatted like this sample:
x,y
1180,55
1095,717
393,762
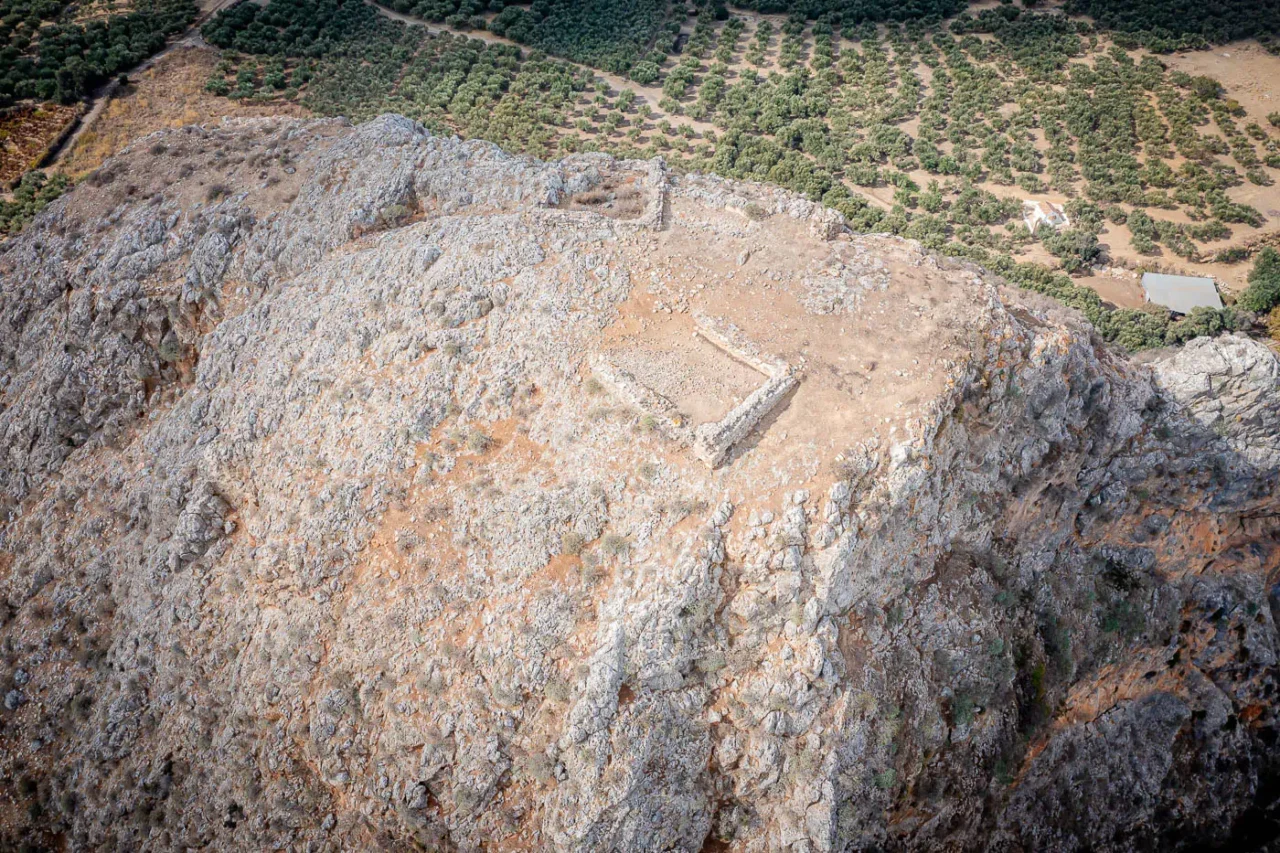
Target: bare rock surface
x,y
321,531
1229,385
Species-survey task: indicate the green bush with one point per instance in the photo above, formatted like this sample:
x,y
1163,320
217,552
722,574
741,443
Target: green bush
x,y
1168,25
1263,292
644,72
1077,248
32,195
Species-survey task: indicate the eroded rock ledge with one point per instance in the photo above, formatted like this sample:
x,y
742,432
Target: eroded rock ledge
x,y
321,531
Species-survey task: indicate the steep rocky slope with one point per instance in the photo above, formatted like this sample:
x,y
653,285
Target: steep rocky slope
x,y
357,495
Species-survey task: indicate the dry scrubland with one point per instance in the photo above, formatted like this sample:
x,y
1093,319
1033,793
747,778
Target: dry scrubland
x,y
169,94
26,134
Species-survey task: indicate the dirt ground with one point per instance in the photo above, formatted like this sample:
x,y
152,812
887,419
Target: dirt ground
x,y
170,94
851,386
703,382
26,134
1248,73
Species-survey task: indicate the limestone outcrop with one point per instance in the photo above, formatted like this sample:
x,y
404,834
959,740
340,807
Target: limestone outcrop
x,y
1228,385
322,528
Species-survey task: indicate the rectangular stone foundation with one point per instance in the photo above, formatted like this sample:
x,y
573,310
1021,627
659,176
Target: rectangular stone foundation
x,y
710,442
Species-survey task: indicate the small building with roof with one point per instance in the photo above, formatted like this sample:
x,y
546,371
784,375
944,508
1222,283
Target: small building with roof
x,y
1181,294
1037,213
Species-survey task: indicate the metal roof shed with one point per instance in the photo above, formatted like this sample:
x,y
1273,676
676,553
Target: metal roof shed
x,y
1180,293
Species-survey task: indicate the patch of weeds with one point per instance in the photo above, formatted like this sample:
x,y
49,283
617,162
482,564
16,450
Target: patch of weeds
x,y
591,571
1033,703
711,662
795,613
1057,645
807,760
572,543
1121,617
865,703
558,691
478,442
433,685
1037,683
615,545
106,175
682,508
392,216
536,768
508,697
1119,576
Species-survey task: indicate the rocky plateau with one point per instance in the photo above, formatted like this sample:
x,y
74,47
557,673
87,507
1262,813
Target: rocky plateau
x,y
365,489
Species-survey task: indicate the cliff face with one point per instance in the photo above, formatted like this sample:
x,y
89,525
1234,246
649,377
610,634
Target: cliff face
x,y
365,488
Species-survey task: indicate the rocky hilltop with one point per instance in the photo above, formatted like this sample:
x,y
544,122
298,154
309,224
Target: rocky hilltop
x,y
364,489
